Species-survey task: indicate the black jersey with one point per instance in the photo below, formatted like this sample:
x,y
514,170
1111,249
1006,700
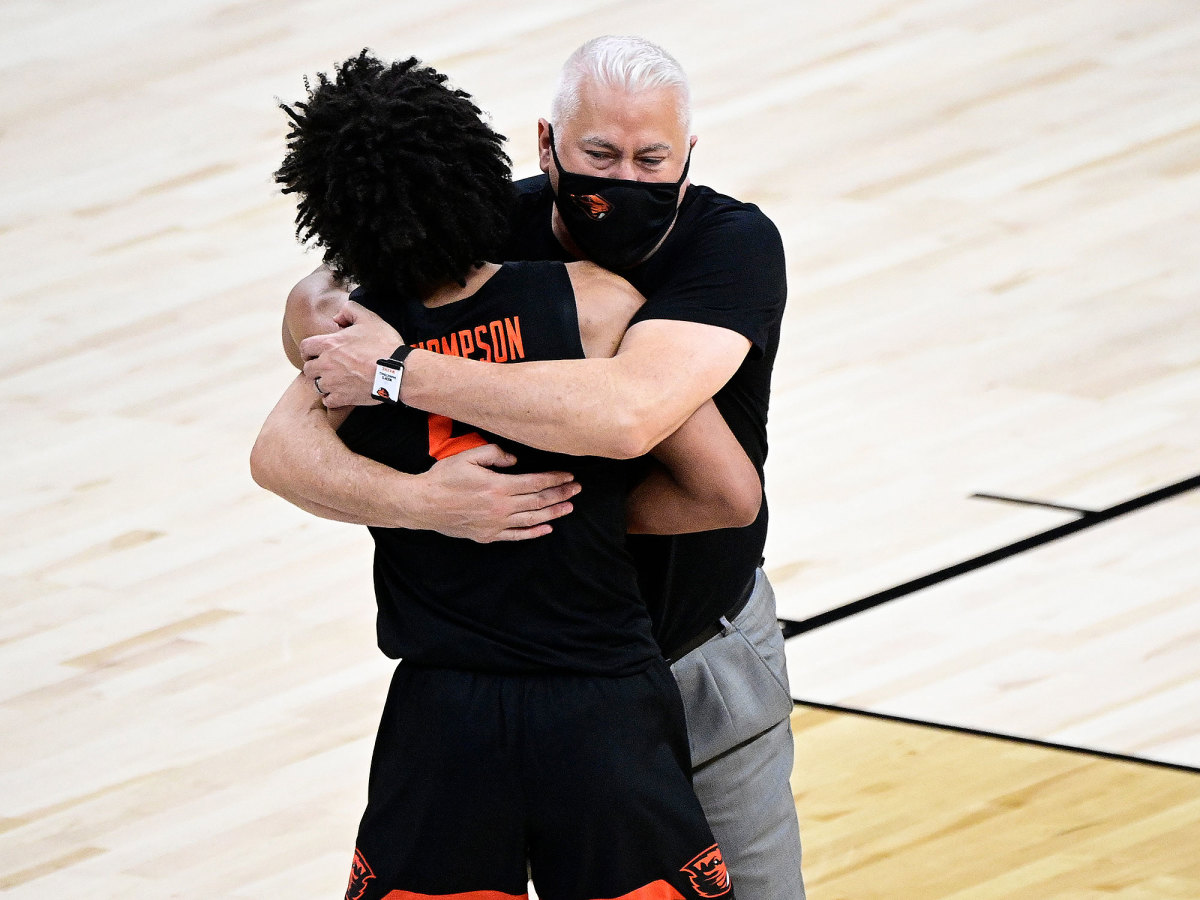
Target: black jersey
x,y
722,264
568,601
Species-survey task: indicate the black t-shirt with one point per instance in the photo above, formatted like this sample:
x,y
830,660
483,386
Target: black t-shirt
x,y
722,264
568,601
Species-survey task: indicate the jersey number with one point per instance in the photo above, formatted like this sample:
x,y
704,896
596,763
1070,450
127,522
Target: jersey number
x,y
444,442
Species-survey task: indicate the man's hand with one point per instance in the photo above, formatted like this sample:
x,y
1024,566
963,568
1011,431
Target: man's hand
x,y
344,361
466,499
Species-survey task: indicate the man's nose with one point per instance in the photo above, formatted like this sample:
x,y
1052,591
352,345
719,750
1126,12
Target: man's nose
x,y
625,170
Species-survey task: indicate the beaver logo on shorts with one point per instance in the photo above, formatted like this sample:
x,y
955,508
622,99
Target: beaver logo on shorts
x,y
360,874
594,205
709,876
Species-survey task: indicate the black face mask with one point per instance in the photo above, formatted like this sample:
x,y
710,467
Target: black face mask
x,y
616,222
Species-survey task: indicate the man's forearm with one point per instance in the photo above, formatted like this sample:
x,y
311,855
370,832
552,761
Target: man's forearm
x,y
367,497
617,407
299,456
540,404
620,406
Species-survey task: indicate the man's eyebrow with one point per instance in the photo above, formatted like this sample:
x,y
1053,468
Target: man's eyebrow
x,y
601,143
594,141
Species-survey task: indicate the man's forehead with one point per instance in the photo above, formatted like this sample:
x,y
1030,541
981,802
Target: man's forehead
x,y
614,114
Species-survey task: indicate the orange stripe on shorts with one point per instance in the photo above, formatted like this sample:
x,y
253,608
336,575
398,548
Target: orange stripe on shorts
x,y
469,895
655,890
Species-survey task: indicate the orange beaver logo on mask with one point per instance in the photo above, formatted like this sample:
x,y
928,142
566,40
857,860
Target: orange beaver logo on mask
x,y
360,874
707,871
593,204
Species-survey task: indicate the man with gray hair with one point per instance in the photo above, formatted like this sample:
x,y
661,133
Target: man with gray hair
x,y
615,156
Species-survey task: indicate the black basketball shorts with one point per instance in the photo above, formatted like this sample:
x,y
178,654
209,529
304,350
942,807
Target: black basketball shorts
x,y
585,779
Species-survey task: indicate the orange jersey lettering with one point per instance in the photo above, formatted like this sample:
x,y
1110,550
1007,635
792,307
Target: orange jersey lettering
x,y
500,340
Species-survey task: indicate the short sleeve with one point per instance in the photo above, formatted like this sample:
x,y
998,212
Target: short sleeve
x,y
725,268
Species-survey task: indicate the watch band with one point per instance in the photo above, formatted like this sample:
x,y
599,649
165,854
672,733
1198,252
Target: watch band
x,y
388,375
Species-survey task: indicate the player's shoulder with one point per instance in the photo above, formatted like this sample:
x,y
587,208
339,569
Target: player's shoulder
x,y
595,282
320,293
605,303
319,283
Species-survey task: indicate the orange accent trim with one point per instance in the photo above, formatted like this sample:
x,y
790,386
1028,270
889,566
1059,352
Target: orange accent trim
x,y
442,445
708,873
360,874
469,895
655,890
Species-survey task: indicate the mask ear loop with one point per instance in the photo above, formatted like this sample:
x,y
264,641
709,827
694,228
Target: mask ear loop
x,y
686,165
554,150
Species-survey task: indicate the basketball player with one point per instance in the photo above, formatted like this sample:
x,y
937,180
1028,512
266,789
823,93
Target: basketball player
x,y
713,272
531,716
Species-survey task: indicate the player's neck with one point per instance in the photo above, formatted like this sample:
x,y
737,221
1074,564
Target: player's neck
x,y
452,291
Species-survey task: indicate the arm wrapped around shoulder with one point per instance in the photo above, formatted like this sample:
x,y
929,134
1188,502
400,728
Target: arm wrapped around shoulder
x,y
705,481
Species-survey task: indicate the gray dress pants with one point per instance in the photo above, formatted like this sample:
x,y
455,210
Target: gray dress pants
x,y
737,702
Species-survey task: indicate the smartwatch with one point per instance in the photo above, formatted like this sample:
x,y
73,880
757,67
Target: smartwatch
x,y
388,374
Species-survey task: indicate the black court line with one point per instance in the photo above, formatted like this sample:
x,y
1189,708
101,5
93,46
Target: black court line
x,y
793,627
1023,501
1011,738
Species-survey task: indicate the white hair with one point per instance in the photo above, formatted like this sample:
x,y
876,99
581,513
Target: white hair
x,y
626,62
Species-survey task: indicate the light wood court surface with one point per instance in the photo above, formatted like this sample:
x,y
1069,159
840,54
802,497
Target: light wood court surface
x,y
990,211
892,810
1079,642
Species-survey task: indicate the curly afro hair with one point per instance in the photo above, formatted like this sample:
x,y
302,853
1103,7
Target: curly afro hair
x,y
400,180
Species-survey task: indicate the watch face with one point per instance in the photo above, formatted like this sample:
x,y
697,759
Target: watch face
x,y
387,380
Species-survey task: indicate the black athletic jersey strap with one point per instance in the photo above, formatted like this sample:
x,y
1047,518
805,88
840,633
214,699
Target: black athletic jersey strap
x,y
568,601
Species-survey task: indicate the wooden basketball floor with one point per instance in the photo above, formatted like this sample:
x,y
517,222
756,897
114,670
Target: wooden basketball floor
x,y
983,475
